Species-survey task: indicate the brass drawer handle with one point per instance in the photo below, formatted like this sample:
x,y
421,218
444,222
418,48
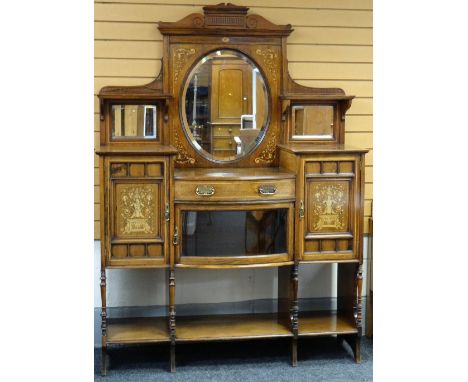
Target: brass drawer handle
x,y
204,190
267,189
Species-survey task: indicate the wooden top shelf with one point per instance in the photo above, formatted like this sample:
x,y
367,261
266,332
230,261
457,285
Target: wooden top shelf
x,y
316,97
325,323
137,330
230,327
310,148
146,149
200,174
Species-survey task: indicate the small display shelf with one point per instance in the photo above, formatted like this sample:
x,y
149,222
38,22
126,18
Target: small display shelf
x,y
323,323
231,327
137,330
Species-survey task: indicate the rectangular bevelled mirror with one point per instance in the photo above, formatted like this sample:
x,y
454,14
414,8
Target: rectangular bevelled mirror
x,y
313,122
134,121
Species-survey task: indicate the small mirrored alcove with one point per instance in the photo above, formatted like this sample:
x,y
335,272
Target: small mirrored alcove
x,y
130,121
225,105
313,122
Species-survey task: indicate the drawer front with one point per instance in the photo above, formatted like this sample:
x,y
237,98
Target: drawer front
x,y
136,222
224,144
229,190
226,131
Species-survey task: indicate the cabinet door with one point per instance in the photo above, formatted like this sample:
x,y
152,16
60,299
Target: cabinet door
x,y
331,209
137,200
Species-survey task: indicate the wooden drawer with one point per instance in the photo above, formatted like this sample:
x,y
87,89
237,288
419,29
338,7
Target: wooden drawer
x,y
227,190
226,131
224,144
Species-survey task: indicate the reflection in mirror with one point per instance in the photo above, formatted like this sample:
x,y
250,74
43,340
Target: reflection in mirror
x,y
234,233
225,106
134,121
312,121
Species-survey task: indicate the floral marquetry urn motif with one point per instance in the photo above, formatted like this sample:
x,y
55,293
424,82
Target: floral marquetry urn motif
x,y
330,206
136,210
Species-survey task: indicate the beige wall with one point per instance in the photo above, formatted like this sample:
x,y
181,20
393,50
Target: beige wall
x,y
331,46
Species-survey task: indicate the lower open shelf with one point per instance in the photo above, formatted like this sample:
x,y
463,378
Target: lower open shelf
x,y
230,326
226,327
137,330
320,323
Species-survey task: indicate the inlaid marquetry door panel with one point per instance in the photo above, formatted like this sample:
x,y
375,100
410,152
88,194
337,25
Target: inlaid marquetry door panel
x,y
138,209
330,209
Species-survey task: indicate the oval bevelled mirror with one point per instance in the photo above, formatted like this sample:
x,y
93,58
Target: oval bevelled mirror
x,y
225,106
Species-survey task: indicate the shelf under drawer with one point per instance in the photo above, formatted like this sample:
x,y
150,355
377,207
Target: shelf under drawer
x,y
137,330
325,323
230,326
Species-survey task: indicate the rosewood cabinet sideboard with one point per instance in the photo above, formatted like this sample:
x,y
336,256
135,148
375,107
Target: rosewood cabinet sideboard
x,y
224,162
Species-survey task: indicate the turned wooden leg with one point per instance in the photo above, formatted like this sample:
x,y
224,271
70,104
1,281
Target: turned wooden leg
x,y
172,321
357,349
295,311
103,324
354,341
173,368
103,361
294,352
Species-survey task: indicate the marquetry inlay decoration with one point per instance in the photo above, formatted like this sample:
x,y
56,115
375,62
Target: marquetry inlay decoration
x,y
329,202
268,154
136,210
180,58
182,155
270,58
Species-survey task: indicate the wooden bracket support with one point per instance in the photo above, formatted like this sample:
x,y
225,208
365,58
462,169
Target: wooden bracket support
x,y
285,104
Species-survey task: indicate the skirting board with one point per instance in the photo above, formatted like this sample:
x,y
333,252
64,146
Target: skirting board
x,y
241,307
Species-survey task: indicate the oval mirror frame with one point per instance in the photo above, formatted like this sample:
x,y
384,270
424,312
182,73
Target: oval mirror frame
x,y
225,106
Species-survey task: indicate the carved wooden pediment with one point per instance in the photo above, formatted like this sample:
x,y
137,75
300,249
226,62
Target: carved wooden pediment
x,y
224,18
